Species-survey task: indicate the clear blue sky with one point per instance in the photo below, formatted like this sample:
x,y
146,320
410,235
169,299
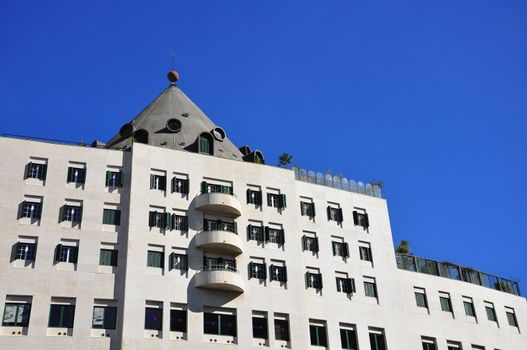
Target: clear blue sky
x,y
428,96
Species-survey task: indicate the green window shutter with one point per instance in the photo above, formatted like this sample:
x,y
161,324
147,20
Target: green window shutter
x,y
152,181
235,227
108,177
329,213
117,217
346,250
58,251
282,201
163,183
203,186
341,217
304,242
120,178
44,171
105,257
152,218
70,175
367,221
26,172
355,218
316,244
333,244
168,221
115,256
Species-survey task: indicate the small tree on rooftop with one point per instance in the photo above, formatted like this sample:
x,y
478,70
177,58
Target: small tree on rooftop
x,y
284,160
403,248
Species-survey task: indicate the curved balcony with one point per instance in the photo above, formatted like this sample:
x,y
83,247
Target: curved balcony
x,y
220,278
219,241
219,202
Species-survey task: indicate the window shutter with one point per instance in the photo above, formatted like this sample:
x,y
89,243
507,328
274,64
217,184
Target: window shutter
x,y
103,257
108,177
105,216
82,176
282,237
366,221
333,244
269,201
162,257
185,223
353,289
337,281
349,286
163,183
38,210
152,181
152,218
266,229
313,209
80,214
168,221
69,177
316,244
120,179
58,250
74,255
285,273
173,185
26,170
185,262
114,257
44,171
186,184
302,209
264,271
171,259
251,270
63,209
282,201
203,187
355,217
117,217
320,280
370,256
304,242
341,217
346,250
249,229
329,213
235,227
307,280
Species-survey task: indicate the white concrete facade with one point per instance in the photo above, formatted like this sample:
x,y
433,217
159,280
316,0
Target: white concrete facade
x,y
132,285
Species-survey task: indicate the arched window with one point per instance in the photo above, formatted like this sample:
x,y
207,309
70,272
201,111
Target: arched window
x,y
205,144
141,136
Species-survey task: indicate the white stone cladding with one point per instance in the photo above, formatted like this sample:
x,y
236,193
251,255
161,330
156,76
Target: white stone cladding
x,y
133,284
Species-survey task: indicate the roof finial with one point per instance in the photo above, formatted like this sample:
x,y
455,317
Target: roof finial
x,y
173,76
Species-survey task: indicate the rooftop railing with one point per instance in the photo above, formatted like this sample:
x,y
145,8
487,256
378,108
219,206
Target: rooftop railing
x,y
41,139
456,272
338,182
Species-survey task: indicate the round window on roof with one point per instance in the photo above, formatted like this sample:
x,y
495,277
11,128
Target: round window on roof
x,y
126,130
174,125
218,133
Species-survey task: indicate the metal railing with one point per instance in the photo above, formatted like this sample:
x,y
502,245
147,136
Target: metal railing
x,y
219,267
218,225
338,182
456,272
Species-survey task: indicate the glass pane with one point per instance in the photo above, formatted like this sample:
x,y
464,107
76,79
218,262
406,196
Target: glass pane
x,y
178,320
281,329
98,317
68,316
228,325
110,317
210,323
153,318
259,327
10,312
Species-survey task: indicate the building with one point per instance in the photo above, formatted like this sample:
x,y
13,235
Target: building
x,y
170,236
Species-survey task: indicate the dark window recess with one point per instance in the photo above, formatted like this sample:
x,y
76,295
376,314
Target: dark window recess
x,y
64,253
370,289
76,175
111,217
469,309
345,285
160,219
219,225
278,273
511,318
178,321
32,210
307,209
155,259
260,328
365,253
178,262
254,197
36,171
205,144
318,335
281,330
104,317
491,314
71,213
153,318
255,233
213,188
26,251
61,316
335,214
258,271
361,219
108,257
348,339
420,299
158,182
446,305
219,324
340,249
429,346
310,244
16,315
180,185
314,280
276,200
114,178
274,235
377,341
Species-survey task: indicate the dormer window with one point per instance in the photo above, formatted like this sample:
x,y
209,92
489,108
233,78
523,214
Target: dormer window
x,y
205,145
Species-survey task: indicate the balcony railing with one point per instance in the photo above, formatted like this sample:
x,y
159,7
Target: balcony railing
x,y
218,225
338,182
219,267
213,188
456,272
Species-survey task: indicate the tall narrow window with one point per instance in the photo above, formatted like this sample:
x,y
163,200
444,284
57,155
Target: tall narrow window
x,y
104,317
61,316
108,257
365,251
370,287
348,338
260,326
26,251
154,318
444,300
219,324
420,298
318,334
16,314
178,320
469,307
491,313
205,144
360,218
111,217
281,329
511,317
76,175
377,341
31,210
114,178
36,171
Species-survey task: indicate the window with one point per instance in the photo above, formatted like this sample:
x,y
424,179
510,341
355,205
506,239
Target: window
x,y
219,225
345,285
278,273
76,175
370,287
444,300
314,280
511,317
420,297
335,214
180,185
16,314
276,200
310,243
61,316
36,171
215,264
274,235
365,252
428,343
281,329
219,324
348,338
214,188
154,318
260,327
32,210
340,249
318,335
179,222
255,233
114,178
64,253
361,219
108,257
254,197
26,251
257,270
451,345
158,182
72,213
155,259
178,262
307,209
491,313
111,217
377,341
104,317
205,144
178,320
469,307
159,219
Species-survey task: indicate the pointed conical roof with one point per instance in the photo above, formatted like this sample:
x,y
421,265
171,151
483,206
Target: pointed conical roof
x,y
173,121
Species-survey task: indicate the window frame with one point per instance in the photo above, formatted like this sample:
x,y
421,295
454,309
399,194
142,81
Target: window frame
x,y
26,308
